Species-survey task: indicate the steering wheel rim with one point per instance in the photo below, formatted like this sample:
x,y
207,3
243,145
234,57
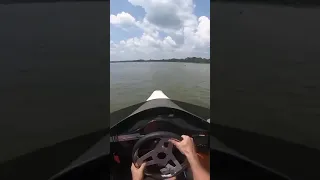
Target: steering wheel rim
x,y
169,171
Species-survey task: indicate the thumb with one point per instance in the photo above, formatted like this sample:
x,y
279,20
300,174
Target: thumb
x,y
143,165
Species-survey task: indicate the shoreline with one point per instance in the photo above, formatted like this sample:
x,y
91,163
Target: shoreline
x,y
183,60
158,61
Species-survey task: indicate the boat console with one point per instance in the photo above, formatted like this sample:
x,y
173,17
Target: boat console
x,y
143,137
147,141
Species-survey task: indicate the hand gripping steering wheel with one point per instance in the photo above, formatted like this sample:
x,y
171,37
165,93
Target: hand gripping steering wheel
x,y
161,155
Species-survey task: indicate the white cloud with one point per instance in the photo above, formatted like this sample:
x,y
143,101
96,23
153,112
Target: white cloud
x,y
185,33
122,19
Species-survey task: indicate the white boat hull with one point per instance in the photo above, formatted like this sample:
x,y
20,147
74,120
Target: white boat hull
x,y
157,94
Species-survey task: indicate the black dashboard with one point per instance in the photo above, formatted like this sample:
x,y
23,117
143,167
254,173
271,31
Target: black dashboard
x,y
117,164
166,119
122,144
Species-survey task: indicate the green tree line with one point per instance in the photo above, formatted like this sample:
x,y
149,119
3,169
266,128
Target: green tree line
x,y
185,60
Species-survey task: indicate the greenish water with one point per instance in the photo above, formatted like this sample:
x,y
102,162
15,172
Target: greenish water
x,y
132,83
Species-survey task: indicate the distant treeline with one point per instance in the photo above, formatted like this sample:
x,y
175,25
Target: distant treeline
x,y
185,60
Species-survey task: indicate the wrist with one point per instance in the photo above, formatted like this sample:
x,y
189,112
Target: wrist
x,y
137,178
193,158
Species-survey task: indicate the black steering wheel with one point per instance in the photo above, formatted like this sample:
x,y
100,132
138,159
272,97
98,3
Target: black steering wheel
x,y
162,155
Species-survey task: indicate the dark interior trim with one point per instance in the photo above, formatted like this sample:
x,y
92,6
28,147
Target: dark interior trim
x,y
294,3
46,1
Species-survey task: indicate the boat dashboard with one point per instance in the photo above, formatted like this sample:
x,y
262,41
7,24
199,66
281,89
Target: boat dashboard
x,y
122,145
215,156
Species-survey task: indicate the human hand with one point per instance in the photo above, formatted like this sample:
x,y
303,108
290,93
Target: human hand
x,y
137,173
186,146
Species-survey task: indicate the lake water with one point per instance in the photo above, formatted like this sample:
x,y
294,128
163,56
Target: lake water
x,y
133,82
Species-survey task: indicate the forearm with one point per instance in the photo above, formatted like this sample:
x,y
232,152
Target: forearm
x,y
199,173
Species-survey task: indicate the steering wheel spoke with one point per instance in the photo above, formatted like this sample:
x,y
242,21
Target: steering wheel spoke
x,y
177,166
145,157
151,162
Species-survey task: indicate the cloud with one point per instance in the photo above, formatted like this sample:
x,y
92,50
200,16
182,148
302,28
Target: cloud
x,y
122,19
185,33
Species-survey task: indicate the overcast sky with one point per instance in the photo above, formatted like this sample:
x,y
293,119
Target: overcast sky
x,y
159,29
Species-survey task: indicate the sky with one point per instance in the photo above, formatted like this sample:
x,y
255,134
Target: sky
x,y
159,29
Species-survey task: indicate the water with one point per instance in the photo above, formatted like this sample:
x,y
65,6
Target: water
x,y
132,83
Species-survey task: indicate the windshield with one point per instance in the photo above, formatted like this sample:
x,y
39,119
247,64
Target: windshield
x,y
159,45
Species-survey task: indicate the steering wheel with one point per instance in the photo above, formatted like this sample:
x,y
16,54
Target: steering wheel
x,y
162,155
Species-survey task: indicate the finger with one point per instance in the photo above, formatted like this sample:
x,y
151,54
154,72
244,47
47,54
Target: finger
x,y
133,166
143,165
173,141
185,137
172,178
